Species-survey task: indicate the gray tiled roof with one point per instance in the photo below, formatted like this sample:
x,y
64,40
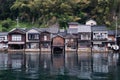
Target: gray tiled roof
x,y
54,29
84,28
118,32
3,33
44,29
73,23
72,30
111,32
68,36
50,29
62,33
99,28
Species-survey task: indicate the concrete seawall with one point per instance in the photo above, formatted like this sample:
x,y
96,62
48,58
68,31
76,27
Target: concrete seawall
x,y
49,50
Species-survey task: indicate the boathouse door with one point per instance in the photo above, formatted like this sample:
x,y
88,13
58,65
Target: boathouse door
x,y
58,44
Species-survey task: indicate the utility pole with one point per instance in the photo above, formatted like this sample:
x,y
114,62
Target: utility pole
x,y
116,18
116,47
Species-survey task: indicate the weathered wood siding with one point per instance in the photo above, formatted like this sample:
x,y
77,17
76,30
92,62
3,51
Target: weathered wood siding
x,y
47,34
58,41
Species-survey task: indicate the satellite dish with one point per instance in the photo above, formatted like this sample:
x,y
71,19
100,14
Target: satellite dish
x,y
115,47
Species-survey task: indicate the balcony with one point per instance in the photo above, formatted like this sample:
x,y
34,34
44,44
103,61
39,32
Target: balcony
x,y
101,39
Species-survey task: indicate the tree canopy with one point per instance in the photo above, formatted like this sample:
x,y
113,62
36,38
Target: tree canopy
x,y
49,12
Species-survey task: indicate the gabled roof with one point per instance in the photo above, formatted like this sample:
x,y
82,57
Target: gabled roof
x,y
33,30
58,35
68,36
18,30
3,33
72,30
84,28
99,28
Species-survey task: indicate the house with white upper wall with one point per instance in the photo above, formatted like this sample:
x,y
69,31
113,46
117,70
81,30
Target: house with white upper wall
x,y
91,22
99,38
33,39
84,38
3,40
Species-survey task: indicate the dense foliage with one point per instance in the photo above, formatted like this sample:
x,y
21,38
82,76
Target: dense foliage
x,y
48,12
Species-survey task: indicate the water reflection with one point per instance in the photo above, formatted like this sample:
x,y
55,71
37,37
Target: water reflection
x,y
38,65
84,61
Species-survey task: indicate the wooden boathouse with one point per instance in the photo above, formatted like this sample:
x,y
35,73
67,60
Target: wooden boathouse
x,y
58,44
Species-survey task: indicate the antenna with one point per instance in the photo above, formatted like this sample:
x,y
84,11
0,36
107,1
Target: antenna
x,y
17,22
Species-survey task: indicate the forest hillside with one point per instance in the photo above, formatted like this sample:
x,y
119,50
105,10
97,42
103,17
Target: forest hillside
x,y
44,13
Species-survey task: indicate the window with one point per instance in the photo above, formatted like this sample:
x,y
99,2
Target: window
x,y
84,37
2,38
101,35
45,38
16,37
33,36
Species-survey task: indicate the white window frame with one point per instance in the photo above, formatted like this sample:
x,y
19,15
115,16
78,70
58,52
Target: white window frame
x,y
16,37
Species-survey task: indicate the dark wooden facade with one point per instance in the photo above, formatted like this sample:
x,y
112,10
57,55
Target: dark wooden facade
x,y
71,42
58,44
45,39
16,39
58,41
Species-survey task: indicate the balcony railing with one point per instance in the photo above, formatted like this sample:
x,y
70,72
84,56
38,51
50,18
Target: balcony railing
x,y
99,38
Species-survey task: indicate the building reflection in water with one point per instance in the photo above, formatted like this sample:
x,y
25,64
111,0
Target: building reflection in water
x,y
100,63
71,64
45,62
32,61
58,62
81,65
16,60
84,63
3,61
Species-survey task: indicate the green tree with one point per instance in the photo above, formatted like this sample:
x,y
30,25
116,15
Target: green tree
x,y
27,9
49,12
5,11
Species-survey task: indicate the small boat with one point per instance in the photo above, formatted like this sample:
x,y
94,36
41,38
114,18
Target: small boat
x,y
115,48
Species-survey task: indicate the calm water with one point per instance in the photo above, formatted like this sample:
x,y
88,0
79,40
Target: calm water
x,y
71,66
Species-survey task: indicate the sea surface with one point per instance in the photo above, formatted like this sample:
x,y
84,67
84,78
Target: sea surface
x,y
64,66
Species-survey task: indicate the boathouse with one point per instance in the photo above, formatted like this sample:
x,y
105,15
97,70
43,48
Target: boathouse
x,y
58,44
16,39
